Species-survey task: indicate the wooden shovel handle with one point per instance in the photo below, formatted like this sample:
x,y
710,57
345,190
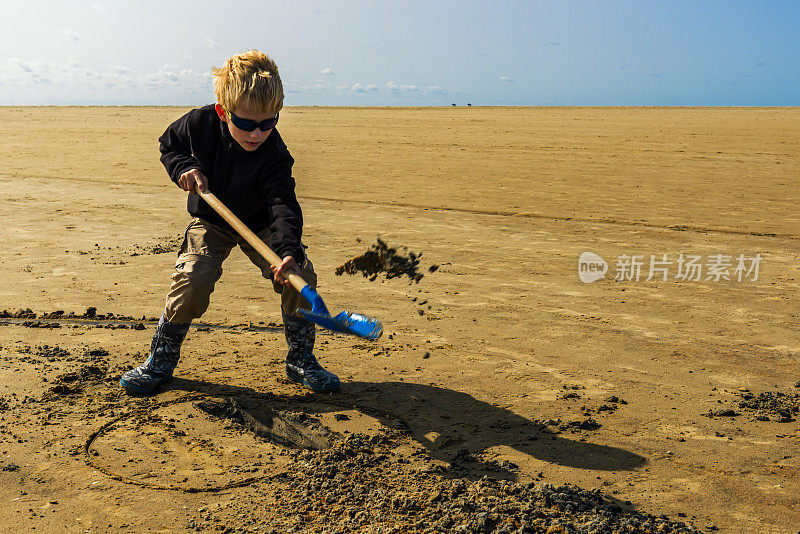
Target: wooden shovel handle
x,y
267,253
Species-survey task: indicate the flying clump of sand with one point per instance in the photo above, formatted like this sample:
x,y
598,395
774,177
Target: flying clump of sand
x,y
381,258
505,395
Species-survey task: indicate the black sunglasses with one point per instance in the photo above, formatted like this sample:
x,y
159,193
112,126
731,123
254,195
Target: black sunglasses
x,y
248,126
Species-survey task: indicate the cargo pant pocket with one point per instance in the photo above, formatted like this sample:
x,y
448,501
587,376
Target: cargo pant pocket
x,y
192,284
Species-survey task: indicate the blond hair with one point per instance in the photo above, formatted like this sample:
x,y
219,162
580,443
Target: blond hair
x,y
250,78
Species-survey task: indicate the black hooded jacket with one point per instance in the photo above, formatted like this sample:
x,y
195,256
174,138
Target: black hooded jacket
x,y
257,186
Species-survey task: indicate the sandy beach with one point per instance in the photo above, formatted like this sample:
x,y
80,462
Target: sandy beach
x,y
676,397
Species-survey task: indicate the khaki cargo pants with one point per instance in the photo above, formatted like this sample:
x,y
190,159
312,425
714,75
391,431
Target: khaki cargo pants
x,y
199,266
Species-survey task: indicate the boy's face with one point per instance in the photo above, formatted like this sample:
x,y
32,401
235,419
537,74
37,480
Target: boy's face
x,y
249,141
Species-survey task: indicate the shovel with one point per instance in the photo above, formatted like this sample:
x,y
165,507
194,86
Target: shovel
x,y
346,322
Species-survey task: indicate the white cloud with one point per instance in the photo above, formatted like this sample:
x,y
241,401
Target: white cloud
x,y
308,89
98,6
170,74
21,65
506,79
77,82
68,34
118,69
89,73
210,43
326,70
361,88
403,88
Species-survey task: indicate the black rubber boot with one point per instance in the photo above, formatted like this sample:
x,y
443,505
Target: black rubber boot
x,y
301,364
164,353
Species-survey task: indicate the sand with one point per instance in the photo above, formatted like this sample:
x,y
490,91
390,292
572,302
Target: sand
x,y
501,363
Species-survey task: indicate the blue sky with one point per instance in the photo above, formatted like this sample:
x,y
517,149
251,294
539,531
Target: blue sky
x,y
713,53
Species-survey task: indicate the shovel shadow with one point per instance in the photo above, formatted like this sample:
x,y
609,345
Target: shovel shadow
x,y
445,421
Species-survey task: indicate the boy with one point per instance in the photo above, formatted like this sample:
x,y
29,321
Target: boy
x,y
233,149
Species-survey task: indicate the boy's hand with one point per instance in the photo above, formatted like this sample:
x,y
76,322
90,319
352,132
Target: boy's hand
x,y
288,265
192,179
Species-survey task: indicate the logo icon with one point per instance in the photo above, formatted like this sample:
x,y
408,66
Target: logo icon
x,y
591,267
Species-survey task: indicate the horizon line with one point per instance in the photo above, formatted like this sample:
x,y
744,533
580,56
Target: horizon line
x,y
363,106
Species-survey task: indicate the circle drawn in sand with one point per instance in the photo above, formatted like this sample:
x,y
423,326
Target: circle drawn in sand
x,y
199,443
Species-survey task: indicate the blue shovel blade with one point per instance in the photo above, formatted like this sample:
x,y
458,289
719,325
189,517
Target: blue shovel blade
x,y
345,322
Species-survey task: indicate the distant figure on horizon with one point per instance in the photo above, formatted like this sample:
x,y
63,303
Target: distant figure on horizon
x,y
454,104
